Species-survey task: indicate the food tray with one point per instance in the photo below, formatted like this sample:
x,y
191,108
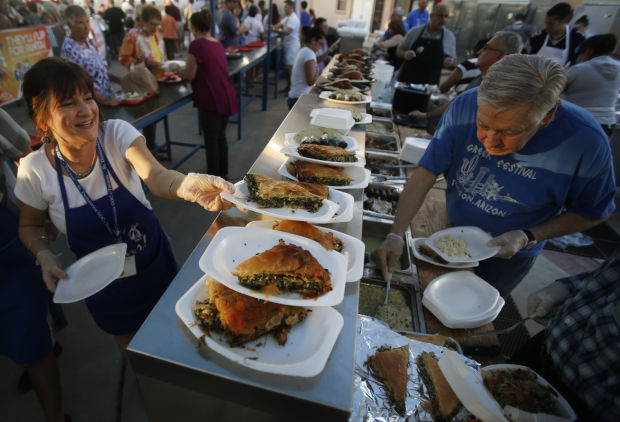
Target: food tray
x,y
401,311
138,100
239,49
375,162
381,200
256,44
382,143
382,126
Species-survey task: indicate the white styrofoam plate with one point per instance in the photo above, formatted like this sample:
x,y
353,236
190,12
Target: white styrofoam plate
x,y
475,238
419,241
91,273
233,245
325,96
465,323
563,406
292,152
325,214
366,119
352,145
345,203
360,175
461,295
353,249
334,118
307,348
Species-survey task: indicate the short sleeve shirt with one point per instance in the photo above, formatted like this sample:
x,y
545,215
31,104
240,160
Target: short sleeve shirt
x,y
229,25
298,74
90,60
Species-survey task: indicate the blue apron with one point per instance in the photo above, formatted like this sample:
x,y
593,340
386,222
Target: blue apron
x,y
25,335
125,303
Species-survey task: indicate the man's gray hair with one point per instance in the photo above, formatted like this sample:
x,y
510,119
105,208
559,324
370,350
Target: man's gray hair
x,y
509,42
73,12
399,11
519,79
439,6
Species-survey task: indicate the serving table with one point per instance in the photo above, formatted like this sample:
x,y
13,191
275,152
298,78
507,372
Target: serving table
x,y
201,383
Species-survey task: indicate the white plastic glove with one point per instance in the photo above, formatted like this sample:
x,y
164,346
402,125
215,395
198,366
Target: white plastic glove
x,y
388,253
517,415
205,189
542,301
51,269
510,243
409,54
418,114
449,61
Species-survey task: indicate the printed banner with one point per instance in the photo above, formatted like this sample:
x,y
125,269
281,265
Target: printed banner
x,y
19,50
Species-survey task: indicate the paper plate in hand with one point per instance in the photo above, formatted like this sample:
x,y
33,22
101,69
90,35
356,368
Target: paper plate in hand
x,y
91,273
233,245
360,175
325,214
307,348
420,241
289,141
292,152
325,96
475,238
353,249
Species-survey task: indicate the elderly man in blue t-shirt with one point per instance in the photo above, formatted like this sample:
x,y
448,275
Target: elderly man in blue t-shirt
x,y
519,163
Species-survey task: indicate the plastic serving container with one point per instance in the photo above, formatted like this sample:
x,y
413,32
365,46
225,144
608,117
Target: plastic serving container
x,y
333,118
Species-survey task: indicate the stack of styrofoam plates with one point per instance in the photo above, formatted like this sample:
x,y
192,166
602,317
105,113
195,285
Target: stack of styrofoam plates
x,y
462,300
333,118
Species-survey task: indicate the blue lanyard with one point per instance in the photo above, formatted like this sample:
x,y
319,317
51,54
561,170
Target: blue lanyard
x,y
106,176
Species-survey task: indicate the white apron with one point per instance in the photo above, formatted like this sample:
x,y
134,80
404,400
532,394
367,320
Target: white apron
x,y
557,54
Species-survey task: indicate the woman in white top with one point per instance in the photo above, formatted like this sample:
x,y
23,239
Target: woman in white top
x,y
303,74
254,25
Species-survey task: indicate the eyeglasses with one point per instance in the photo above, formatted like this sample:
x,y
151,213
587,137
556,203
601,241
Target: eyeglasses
x,y
489,48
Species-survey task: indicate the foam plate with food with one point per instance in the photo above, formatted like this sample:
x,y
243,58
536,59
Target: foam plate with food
x,y
305,353
291,140
462,244
360,176
352,98
434,258
353,249
232,246
292,152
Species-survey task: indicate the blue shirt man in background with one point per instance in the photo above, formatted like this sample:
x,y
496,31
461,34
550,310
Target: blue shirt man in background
x,y
418,16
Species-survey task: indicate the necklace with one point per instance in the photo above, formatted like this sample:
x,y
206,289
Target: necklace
x,y
76,174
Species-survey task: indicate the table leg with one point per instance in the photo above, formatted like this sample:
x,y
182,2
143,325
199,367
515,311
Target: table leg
x,y
239,90
167,133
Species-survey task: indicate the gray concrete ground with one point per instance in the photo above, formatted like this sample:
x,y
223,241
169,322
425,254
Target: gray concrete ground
x,y
91,364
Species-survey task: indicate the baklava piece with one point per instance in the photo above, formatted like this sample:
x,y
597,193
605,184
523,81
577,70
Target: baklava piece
x,y
390,367
301,228
445,404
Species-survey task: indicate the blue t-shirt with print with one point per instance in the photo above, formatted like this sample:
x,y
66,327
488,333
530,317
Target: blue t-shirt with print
x,y
566,165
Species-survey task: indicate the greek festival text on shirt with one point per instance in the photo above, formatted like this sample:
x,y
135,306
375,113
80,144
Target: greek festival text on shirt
x,y
566,164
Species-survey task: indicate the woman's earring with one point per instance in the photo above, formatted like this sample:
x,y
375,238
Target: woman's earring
x,y
46,138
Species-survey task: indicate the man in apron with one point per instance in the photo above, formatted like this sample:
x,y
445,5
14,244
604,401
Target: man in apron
x,y
558,41
426,49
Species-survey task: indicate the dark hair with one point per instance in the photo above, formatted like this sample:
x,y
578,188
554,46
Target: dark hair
x,y
148,12
397,27
583,20
202,20
290,3
599,45
318,22
169,10
561,11
261,3
275,14
53,78
481,43
520,17
304,4
253,11
310,33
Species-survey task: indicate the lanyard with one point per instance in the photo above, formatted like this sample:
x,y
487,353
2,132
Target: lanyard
x,y
89,201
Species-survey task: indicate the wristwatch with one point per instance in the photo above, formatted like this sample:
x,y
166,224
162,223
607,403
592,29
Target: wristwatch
x,y
531,240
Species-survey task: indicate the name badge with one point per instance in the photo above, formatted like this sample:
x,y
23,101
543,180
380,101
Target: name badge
x,y
130,267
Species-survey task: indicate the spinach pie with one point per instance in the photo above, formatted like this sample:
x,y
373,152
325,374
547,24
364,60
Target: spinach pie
x,y
270,193
327,153
306,171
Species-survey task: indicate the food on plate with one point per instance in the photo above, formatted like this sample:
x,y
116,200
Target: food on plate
x,y
306,171
378,142
129,95
452,246
354,75
341,83
357,116
270,193
243,318
381,112
445,404
436,339
430,253
327,153
520,388
320,136
390,367
287,268
351,95
351,61
301,228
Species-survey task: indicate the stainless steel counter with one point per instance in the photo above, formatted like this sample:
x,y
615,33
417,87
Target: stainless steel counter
x,y
176,377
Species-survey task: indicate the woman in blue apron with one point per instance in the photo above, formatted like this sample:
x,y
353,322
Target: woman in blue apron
x,y
88,177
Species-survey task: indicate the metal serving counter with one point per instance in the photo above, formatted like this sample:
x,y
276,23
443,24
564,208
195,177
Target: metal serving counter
x,y
177,379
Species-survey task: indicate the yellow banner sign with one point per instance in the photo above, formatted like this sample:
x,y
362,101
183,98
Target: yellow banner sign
x,y
19,50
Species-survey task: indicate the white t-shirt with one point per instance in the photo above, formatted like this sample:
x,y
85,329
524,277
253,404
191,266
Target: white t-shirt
x,y
37,183
298,76
256,28
291,41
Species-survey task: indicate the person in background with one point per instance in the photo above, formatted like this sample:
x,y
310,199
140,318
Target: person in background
x,y
582,25
101,10
426,49
397,32
312,15
229,24
594,82
25,335
418,16
254,25
466,71
114,17
145,44
78,48
524,29
289,26
519,163
325,52
558,41
579,350
239,13
303,75
396,16
304,16
263,10
88,177
214,93
5,21
275,19
169,31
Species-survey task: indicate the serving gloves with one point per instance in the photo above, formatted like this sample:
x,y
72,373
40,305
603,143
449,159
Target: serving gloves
x,y
388,253
204,189
510,243
540,303
51,269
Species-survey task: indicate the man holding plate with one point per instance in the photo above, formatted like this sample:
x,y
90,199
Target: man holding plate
x,y
519,163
